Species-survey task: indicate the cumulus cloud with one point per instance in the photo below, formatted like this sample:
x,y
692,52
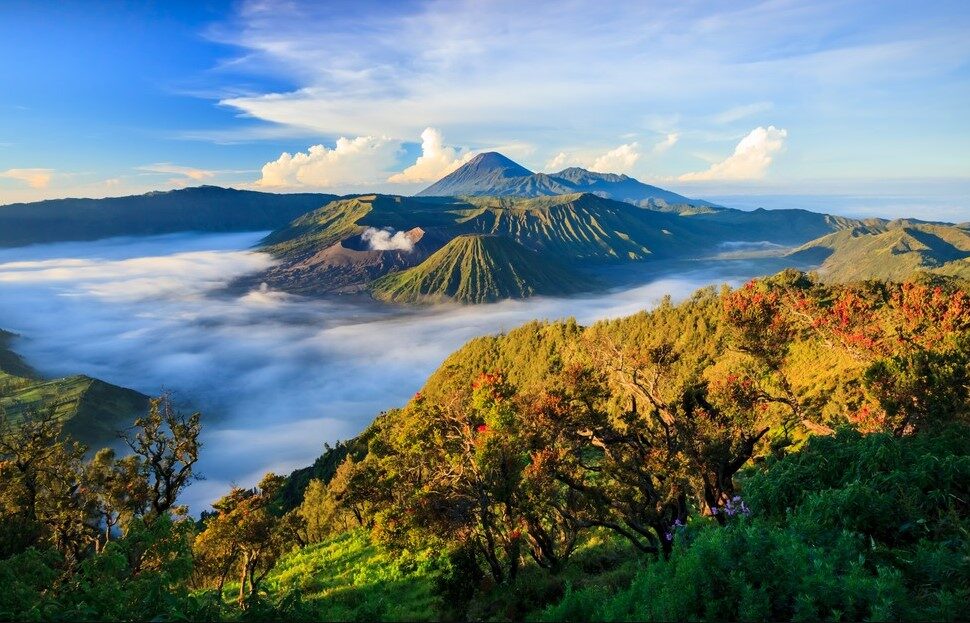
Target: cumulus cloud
x,y
35,178
350,162
275,376
560,161
619,160
436,160
750,160
386,240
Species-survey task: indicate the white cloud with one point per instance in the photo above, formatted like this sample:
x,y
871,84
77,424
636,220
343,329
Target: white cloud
x,y
750,160
619,160
35,178
560,162
436,160
361,160
386,240
668,141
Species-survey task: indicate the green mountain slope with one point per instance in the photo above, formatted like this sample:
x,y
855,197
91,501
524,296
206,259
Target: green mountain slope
x,y
203,208
890,251
325,251
586,227
93,411
478,269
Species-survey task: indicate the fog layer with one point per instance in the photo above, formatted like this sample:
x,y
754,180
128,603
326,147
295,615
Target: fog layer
x,y
275,375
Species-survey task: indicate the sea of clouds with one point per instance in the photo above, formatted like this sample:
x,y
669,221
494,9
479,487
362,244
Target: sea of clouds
x,y
275,375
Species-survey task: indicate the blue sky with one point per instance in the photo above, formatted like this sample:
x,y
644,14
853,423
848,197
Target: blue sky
x,y
754,102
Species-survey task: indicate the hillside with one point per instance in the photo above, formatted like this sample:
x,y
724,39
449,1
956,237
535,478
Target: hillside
x,y
325,251
93,410
517,459
588,228
479,269
202,209
493,174
893,250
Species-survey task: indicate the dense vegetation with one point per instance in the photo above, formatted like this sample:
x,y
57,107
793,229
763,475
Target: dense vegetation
x,y
785,451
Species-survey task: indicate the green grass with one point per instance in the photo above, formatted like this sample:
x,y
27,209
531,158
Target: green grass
x,y
351,578
93,411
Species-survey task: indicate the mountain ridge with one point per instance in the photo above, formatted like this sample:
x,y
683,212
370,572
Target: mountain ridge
x,y
197,208
493,174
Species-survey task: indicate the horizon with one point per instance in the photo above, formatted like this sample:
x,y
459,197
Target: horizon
x,y
856,206
857,108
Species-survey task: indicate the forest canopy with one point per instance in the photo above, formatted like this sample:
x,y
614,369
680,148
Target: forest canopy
x,y
784,450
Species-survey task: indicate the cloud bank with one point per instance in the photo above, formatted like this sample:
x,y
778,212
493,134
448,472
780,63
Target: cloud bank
x,y
750,160
275,375
350,162
362,161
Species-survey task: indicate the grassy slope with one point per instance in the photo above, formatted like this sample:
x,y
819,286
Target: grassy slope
x,y
478,269
584,227
92,409
892,251
349,578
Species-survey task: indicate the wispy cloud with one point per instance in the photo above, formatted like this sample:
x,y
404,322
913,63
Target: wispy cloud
x,y
35,178
740,112
184,175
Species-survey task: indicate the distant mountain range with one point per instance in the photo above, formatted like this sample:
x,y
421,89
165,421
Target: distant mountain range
x,y
493,174
93,410
890,250
203,209
468,236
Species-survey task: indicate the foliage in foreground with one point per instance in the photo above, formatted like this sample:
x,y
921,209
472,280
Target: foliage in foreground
x,y
786,451
851,527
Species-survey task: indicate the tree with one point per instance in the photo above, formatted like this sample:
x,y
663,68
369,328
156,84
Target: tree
x,y
167,443
119,489
246,534
41,494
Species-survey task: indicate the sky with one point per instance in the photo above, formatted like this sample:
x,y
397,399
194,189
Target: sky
x,y
860,107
